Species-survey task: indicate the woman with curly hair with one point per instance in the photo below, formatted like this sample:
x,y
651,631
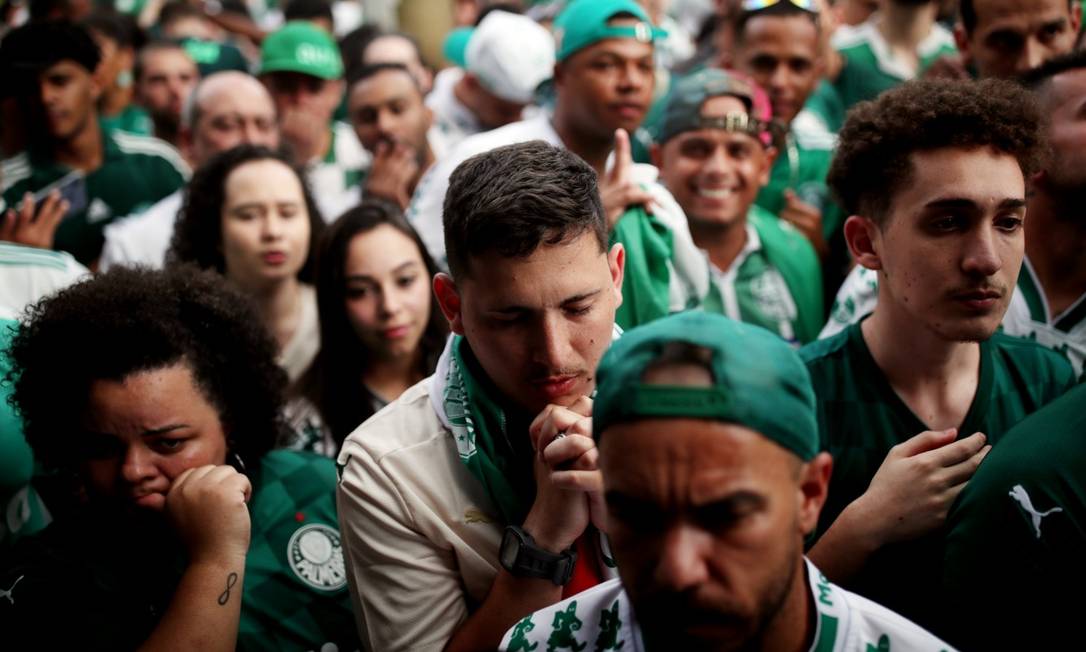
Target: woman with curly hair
x,y
157,395
380,332
249,215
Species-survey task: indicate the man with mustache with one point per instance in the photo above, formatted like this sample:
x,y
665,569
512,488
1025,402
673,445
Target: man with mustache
x,y
711,482
911,399
468,463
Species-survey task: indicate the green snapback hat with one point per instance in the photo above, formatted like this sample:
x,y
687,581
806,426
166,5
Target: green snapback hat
x,y
300,46
584,22
682,111
759,381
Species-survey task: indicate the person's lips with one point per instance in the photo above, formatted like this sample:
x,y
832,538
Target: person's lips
x,y
274,257
556,386
396,332
150,500
629,110
979,300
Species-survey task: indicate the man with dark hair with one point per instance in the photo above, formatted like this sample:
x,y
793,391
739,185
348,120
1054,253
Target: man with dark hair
x,y
165,74
1001,38
318,12
103,174
387,111
116,35
604,83
714,155
712,475
933,176
430,484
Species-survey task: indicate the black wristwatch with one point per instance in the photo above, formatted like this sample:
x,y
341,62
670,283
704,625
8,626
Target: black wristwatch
x,y
521,556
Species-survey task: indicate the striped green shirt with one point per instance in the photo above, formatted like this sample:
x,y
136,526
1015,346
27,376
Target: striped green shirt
x,y
136,172
861,418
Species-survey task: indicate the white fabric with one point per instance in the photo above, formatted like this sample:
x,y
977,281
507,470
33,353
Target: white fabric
x,y
28,274
602,618
299,352
144,238
328,179
511,55
454,120
868,32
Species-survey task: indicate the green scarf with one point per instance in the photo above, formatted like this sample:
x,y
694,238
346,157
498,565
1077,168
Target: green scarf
x,y
479,427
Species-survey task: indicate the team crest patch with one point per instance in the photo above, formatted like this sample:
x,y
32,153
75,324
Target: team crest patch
x,y
316,557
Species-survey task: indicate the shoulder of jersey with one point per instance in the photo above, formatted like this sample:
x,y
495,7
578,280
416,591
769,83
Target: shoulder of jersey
x,y
13,170
134,144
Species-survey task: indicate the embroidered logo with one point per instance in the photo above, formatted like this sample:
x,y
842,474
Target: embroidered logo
x,y
1018,493
98,211
316,557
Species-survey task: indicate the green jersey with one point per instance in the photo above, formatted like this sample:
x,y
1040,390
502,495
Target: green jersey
x,y
861,418
133,119
108,576
136,172
1029,315
775,282
869,68
1016,536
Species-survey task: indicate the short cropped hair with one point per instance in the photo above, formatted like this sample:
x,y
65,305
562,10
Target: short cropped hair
x,y
968,14
513,199
308,10
873,161
778,10
28,50
197,237
130,320
155,46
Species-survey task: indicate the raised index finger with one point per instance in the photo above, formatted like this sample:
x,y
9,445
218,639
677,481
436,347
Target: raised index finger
x,y
623,160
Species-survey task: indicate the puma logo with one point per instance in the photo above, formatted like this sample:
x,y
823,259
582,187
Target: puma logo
x,y
7,594
1018,493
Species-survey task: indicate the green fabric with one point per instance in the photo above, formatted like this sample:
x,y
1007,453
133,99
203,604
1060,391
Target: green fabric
x,y
759,381
778,286
136,172
804,172
479,426
133,119
302,47
584,22
860,417
646,282
826,105
21,510
1007,571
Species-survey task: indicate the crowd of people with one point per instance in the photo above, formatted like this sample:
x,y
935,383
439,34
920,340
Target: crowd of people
x,y
311,326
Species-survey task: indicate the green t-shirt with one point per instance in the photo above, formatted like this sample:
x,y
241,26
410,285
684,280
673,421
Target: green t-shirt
x,y
107,579
1017,537
775,282
136,172
868,68
133,119
861,417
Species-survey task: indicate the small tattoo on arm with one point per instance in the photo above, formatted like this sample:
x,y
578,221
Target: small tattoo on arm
x,y
231,580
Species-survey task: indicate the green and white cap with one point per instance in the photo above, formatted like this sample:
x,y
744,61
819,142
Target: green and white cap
x,y
584,22
759,381
300,46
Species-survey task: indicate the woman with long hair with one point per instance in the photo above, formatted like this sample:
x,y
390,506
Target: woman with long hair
x,y
380,329
248,214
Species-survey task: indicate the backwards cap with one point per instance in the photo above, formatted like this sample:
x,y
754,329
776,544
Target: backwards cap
x,y
584,22
510,54
759,381
683,109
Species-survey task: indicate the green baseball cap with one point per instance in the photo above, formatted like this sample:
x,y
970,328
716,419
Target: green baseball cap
x,y
300,46
683,109
759,381
584,22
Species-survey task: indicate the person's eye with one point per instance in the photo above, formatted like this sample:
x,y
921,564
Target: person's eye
x,y
406,281
1009,223
695,149
739,152
948,223
579,310
357,292
168,444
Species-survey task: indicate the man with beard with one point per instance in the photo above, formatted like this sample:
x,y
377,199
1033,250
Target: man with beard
x,y
1002,38
100,174
911,399
712,476
391,120
165,74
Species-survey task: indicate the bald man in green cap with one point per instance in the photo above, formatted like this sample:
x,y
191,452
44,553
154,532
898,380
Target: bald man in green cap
x,y
708,447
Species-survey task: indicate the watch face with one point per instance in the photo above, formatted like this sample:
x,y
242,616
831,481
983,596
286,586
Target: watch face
x,y
508,553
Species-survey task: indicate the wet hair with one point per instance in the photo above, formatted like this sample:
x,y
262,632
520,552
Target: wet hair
x,y
130,320
873,158
968,14
513,199
197,237
333,383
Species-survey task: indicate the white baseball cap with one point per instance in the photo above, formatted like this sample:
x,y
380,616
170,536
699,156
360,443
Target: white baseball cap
x,y
510,55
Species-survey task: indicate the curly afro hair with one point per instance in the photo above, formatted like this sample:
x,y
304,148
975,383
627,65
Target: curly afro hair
x,y
129,320
872,161
197,237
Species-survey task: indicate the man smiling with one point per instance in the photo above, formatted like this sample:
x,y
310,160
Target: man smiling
x,y
933,175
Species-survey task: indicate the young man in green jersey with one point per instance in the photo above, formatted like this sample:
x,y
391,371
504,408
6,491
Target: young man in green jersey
x,y
103,174
714,156
1014,562
463,465
712,475
911,398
